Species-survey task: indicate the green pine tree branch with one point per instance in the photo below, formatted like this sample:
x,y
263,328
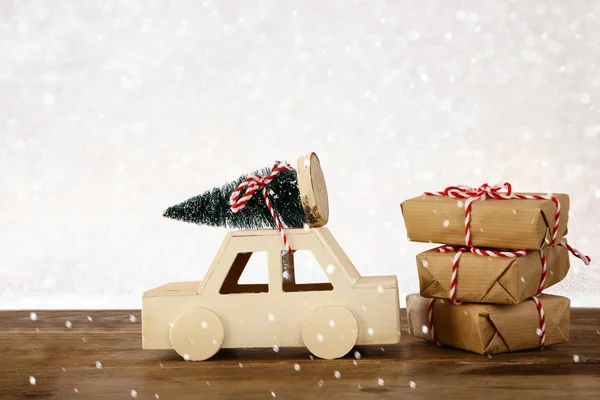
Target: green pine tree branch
x,y
212,207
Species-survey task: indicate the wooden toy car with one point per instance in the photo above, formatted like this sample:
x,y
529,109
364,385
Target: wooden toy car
x,y
329,318
198,318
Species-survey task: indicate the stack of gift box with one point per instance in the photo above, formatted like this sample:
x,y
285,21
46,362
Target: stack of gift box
x,y
481,290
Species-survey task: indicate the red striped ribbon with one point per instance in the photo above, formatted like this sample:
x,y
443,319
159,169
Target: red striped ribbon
x,y
431,327
251,185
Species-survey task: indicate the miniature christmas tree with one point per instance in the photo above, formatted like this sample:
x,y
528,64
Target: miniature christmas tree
x,y
214,207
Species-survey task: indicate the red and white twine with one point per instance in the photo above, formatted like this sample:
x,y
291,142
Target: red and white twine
x,y
431,327
499,192
542,332
251,184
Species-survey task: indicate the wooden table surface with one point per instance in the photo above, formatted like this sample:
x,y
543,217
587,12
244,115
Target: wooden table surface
x,y
64,363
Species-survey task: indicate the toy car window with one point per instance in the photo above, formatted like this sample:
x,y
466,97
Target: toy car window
x,y
231,283
302,273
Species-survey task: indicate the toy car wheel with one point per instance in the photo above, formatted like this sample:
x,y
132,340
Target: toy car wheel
x,y
330,332
197,334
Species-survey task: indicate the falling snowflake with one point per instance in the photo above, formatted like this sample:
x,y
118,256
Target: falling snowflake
x,y
424,329
306,226
89,318
538,332
271,317
357,355
425,264
321,382
331,323
48,99
412,384
156,396
273,394
522,279
370,331
330,269
276,348
241,365
297,367
584,98
132,318
490,356
133,393
413,36
380,382
354,362
446,223
68,324
32,380
337,374
203,324
380,289
576,358
98,365
75,390
186,357
515,212
33,316
320,338
460,204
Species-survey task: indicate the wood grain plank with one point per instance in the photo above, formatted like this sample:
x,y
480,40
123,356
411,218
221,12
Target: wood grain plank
x,y
119,320
63,359
56,320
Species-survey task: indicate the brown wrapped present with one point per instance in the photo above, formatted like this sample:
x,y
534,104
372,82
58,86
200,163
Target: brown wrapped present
x,y
487,328
497,280
504,224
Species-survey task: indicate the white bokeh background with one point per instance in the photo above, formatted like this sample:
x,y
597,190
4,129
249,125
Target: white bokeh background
x,y
111,111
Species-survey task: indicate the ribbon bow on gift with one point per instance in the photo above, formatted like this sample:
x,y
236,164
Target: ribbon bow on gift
x,y
251,184
483,191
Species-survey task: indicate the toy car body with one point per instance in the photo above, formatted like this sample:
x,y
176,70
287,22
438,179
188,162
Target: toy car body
x,y
198,318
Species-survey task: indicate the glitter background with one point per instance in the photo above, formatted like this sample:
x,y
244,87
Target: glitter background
x,y
109,113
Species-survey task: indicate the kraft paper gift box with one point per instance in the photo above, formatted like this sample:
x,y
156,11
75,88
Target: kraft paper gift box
x,y
487,328
497,280
505,224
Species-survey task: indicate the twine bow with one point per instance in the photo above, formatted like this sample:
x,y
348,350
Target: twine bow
x,y
483,191
251,185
